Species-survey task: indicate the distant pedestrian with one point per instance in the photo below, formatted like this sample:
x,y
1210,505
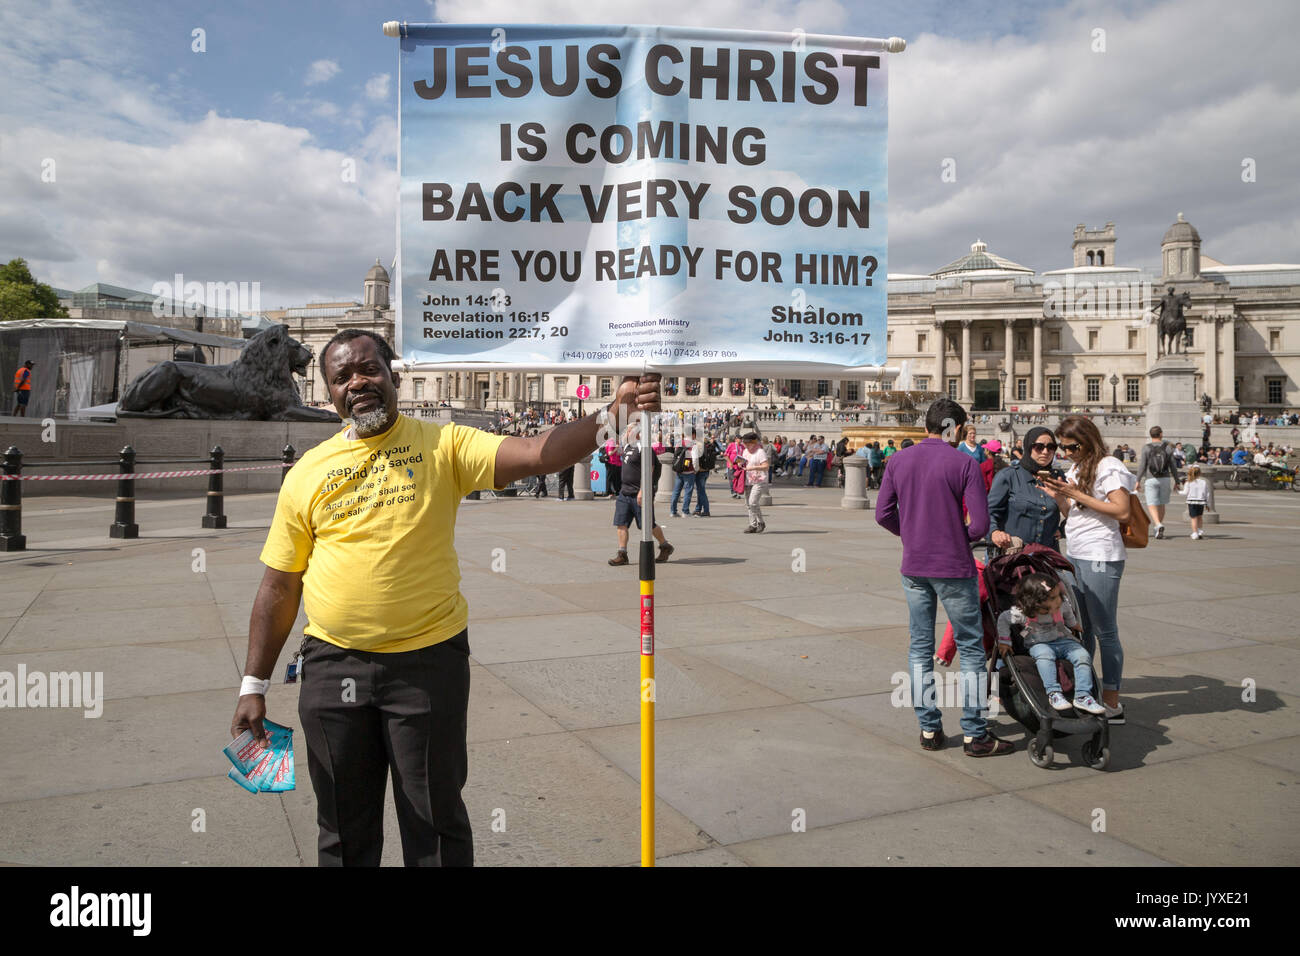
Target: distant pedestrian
x,y
1197,490
566,481
627,506
755,478
23,388
1158,466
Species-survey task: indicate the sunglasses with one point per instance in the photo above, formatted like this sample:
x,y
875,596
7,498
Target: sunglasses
x,y
1071,447
1044,446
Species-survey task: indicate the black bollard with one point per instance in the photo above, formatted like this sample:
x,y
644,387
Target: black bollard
x,y
124,525
11,504
216,517
286,462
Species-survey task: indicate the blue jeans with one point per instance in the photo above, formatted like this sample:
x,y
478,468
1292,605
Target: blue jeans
x,y
816,468
1098,587
703,501
961,599
679,482
1046,656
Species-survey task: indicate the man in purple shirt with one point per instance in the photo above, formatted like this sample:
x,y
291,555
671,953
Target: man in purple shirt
x,y
922,498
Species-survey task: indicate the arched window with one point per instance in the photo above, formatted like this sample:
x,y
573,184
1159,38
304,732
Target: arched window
x,y
1101,257
1089,258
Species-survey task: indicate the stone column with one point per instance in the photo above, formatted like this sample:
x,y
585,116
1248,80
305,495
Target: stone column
x,y
1036,376
855,484
1009,362
664,491
582,480
1211,348
966,398
1227,386
940,346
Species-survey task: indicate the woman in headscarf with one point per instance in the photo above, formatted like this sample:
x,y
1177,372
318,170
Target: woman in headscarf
x,y
1018,506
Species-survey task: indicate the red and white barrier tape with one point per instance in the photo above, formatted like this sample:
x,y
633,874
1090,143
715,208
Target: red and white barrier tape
x,y
134,476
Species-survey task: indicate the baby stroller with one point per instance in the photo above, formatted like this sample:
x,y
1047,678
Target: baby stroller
x,y
1024,696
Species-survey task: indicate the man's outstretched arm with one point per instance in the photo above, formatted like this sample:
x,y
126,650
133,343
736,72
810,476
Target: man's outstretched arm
x,y
563,445
274,610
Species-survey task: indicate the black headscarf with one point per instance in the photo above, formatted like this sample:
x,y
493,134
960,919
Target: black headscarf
x,y
1035,433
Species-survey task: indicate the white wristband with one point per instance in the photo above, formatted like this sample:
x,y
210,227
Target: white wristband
x,y
251,685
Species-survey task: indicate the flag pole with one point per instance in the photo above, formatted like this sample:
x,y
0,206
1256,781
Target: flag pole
x,y
647,609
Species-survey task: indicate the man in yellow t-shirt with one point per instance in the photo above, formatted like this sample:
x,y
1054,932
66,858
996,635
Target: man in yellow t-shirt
x,y
363,536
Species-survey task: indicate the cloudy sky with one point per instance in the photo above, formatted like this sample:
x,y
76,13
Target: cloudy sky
x,y
225,163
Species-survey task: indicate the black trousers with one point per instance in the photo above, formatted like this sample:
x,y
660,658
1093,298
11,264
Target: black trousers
x,y
566,481
364,715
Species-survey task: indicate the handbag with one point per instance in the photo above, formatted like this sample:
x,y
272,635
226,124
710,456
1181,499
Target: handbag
x,y
1135,529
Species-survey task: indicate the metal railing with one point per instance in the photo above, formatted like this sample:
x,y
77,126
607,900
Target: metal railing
x,y
124,524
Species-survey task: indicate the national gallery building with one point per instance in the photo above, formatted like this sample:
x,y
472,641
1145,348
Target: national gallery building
x,y
989,332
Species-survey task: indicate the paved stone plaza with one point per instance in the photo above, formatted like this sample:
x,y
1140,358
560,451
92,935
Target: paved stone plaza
x,y
774,696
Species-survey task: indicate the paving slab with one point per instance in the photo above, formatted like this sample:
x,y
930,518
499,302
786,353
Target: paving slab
x,y
693,625
544,637
808,667
599,691
744,775
1255,811
1001,830
137,740
1277,753
153,825
73,628
497,712
138,670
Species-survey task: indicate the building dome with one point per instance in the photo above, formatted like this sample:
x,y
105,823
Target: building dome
x,y
377,272
979,259
1181,231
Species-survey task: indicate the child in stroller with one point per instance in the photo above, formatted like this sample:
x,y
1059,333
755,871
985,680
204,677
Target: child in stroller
x,y
1025,695
1050,633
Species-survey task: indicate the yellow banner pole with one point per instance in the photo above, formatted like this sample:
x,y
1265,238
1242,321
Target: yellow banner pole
x,y
647,609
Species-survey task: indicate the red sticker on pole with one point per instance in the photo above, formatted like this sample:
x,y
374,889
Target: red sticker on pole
x,y
584,392
647,624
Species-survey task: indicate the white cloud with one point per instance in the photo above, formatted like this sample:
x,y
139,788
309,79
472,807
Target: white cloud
x,y
1047,133
377,86
321,71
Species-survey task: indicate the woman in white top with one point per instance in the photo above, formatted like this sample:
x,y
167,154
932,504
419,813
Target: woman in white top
x,y
1093,498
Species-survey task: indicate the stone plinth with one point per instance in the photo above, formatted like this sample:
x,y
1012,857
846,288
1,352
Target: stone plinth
x,y
855,484
1172,399
664,490
582,480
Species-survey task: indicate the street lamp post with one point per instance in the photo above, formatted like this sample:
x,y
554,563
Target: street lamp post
x,y
1114,394
1002,387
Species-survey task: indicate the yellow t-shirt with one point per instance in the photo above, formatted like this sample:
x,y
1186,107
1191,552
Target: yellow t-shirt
x,y
372,522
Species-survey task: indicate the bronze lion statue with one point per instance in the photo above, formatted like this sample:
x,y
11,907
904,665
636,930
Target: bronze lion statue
x,y
258,386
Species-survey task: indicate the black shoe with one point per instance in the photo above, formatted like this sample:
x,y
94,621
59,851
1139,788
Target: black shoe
x,y
751,530
987,746
933,743
761,527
